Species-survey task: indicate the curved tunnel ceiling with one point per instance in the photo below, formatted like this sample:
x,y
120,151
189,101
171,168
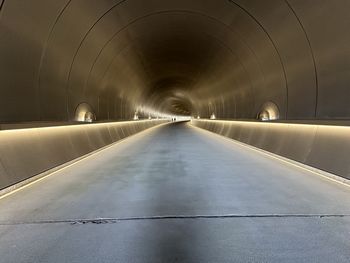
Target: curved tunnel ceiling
x,y
181,57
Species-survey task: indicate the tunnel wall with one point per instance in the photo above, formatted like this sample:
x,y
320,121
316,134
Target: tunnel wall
x,y
25,153
227,57
325,147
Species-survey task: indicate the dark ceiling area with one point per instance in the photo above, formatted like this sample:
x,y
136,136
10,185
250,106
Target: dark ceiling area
x,y
197,58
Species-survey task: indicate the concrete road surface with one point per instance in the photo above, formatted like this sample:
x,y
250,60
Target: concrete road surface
x,y
177,194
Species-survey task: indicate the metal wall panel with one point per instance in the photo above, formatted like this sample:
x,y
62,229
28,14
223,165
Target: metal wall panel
x,y
28,152
226,57
324,147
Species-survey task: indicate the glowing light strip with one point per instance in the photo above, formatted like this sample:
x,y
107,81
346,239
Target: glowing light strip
x,y
331,177
273,123
74,162
79,125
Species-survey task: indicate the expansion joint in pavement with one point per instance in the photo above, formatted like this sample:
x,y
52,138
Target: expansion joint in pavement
x,y
170,217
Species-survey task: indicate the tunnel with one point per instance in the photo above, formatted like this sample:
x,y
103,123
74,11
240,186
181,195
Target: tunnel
x,y
174,131
192,58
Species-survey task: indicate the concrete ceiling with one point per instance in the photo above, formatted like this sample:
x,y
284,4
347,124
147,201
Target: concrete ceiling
x,y
183,57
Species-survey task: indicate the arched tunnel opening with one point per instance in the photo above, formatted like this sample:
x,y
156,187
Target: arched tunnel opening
x,y
176,57
254,169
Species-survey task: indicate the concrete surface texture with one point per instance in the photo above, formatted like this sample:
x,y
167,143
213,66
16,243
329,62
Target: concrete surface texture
x,y
177,194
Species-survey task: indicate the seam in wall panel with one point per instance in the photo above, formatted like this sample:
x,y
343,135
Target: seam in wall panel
x,y
1,4
311,52
78,49
43,53
274,46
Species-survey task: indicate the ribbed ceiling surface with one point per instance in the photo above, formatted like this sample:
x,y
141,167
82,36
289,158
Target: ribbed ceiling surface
x,y
182,57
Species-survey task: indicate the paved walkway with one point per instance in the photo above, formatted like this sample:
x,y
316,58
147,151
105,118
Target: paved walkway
x,y
177,194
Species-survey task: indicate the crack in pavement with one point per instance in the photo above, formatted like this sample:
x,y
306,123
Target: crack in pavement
x,y
168,217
